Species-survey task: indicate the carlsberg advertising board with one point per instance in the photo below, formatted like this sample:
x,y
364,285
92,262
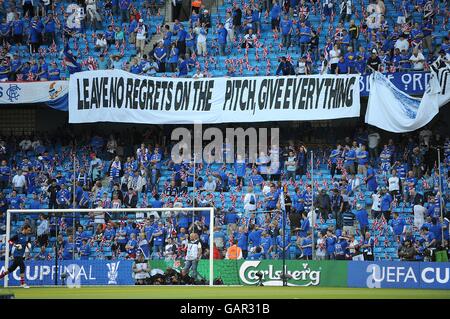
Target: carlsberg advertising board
x,y
245,272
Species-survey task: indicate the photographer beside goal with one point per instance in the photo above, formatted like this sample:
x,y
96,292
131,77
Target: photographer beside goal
x,y
193,254
20,242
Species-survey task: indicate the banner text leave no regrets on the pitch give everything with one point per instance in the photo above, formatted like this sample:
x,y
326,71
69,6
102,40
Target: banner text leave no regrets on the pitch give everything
x,y
119,96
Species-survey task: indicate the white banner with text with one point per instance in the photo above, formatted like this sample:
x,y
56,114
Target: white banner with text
x,y
119,96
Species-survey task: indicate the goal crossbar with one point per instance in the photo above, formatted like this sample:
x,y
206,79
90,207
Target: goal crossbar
x,y
113,210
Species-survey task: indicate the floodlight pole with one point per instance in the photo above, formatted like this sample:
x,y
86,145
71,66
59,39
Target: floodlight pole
x,y
56,250
194,190
283,212
8,237
211,246
313,214
441,204
74,196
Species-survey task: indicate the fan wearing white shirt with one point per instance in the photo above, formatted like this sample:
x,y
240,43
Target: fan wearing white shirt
x,y
101,43
193,254
425,135
291,166
374,139
321,247
142,154
198,74
394,184
141,34
92,14
19,182
334,55
250,201
140,268
376,205
417,60
201,32
210,184
229,27
302,67
345,10
354,182
402,43
249,39
11,15
419,215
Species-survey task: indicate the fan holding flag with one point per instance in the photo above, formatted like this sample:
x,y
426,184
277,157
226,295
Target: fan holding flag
x,y
70,60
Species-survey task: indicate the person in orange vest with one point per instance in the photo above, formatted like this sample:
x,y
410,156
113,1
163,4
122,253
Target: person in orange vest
x,y
234,252
196,4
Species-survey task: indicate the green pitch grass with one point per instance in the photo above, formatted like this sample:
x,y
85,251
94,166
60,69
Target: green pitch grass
x,y
191,292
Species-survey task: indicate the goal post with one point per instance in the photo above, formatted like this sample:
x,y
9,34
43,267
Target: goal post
x,y
10,212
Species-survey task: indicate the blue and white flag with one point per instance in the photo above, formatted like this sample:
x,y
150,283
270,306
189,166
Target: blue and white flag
x,y
52,93
395,111
70,60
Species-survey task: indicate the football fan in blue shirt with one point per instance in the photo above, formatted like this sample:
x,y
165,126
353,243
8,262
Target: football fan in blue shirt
x,y
242,238
330,240
350,58
368,247
222,35
428,239
386,203
307,247
18,30
158,239
84,250
307,197
5,175
334,157
298,201
340,248
286,31
254,236
362,217
256,178
14,202
131,246
183,68
275,13
109,233
398,225
54,72
63,197
304,225
68,249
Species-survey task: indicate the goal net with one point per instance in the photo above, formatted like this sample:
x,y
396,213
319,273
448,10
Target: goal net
x,y
113,246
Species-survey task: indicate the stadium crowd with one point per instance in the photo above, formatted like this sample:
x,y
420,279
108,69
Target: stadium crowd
x,y
372,198
51,41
